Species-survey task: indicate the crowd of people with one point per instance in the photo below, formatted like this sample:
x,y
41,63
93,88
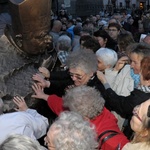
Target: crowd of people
x,y
99,88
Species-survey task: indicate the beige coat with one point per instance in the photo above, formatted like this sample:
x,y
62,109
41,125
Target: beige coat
x,y
136,146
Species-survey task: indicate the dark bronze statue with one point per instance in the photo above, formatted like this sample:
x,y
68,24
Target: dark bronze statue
x,y
23,48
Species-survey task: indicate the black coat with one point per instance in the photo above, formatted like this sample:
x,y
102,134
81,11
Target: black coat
x,y
124,105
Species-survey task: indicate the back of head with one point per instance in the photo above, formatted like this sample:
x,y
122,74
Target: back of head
x,y
19,142
64,43
57,25
71,132
108,56
91,44
85,100
83,59
77,29
124,39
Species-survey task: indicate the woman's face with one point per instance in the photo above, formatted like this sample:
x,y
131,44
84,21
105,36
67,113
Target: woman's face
x,y
136,62
139,113
79,76
101,65
102,41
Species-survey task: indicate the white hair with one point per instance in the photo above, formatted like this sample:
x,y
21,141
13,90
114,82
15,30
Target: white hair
x,y
73,133
64,43
108,56
20,142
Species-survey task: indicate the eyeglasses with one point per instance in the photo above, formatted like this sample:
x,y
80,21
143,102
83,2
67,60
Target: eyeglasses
x,y
113,30
47,143
135,113
77,76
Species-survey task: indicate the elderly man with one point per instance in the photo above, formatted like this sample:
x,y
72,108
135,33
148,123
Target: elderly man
x,y
88,102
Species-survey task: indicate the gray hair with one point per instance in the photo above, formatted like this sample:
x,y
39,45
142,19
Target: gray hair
x,y
108,56
85,100
73,133
20,142
83,59
141,49
64,43
1,106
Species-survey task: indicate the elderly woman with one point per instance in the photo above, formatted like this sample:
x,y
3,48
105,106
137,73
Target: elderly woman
x,y
82,66
71,132
87,101
122,82
140,124
107,59
20,142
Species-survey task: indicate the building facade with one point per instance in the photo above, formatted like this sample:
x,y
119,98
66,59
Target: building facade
x,y
92,7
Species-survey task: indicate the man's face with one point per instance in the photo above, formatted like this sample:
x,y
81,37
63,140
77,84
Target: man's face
x,y
136,62
113,32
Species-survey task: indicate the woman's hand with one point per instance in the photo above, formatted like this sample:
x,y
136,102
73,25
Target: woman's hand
x,y
20,102
45,72
101,77
41,81
39,92
121,62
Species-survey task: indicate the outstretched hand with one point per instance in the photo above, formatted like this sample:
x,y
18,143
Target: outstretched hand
x,y
20,102
45,72
39,92
40,80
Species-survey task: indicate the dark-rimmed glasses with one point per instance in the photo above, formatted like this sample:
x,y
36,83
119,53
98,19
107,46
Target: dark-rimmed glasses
x,y
77,76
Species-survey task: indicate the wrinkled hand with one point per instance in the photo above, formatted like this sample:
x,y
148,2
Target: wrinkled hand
x,y
20,102
45,72
41,81
101,77
39,92
121,62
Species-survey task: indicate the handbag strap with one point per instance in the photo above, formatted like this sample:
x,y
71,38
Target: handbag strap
x,y
110,134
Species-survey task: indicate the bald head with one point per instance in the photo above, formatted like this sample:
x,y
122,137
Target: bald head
x,y
57,25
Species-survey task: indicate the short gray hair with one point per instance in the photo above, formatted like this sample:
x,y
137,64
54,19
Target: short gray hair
x,y
108,56
73,133
85,100
64,43
20,142
83,59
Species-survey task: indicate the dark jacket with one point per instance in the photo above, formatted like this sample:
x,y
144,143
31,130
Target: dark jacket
x,y
124,105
